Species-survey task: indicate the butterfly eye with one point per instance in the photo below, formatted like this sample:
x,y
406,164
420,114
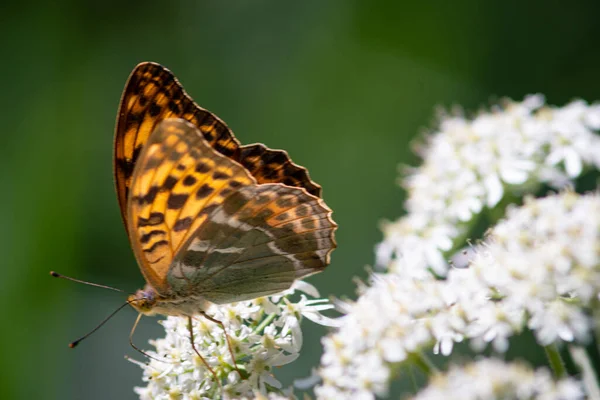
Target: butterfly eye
x,y
143,300
145,305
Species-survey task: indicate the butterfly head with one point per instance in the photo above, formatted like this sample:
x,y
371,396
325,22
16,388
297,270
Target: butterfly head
x,y
144,300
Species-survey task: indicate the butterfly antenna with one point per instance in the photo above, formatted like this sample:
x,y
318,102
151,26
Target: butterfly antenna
x,y
57,275
76,342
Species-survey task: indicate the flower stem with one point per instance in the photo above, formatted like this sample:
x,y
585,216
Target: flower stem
x,y
424,363
263,324
596,321
556,362
590,383
413,378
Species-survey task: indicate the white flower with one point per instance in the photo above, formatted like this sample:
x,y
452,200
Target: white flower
x,y
416,244
538,269
570,144
264,334
543,262
392,319
472,164
495,379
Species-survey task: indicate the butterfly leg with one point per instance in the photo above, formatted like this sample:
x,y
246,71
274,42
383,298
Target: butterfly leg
x,y
135,324
216,321
198,353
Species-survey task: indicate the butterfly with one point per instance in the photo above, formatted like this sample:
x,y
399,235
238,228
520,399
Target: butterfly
x,y
210,221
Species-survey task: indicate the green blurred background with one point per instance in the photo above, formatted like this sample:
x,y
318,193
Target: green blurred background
x,y
341,85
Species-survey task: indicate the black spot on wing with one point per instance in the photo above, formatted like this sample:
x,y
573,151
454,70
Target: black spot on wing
x,y
302,210
308,223
202,168
182,224
189,180
154,109
282,217
204,191
174,107
155,218
284,202
146,238
148,197
176,201
155,246
169,182
220,175
226,151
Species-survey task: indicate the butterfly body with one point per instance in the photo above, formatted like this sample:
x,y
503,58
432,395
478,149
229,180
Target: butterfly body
x,y
148,302
210,221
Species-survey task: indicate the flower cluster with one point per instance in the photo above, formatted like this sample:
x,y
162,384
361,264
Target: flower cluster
x,y
392,320
542,266
495,379
472,164
539,268
263,334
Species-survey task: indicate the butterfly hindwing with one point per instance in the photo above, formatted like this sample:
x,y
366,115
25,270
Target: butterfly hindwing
x,y
256,243
178,179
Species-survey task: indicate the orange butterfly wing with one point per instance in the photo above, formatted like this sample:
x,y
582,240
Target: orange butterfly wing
x,y
151,95
177,181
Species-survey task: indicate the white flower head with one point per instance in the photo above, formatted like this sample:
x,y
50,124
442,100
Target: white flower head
x,y
542,261
538,269
264,334
469,164
495,379
393,318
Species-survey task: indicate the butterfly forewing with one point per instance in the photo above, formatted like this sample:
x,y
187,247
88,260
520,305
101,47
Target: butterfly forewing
x,y
151,95
178,179
256,243
275,166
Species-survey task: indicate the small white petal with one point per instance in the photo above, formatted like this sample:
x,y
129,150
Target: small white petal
x,y
393,350
494,190
573,163
309,381
446,346
306,288
513,175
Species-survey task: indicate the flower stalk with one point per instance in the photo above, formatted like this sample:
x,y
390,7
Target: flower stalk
x,y
555,360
